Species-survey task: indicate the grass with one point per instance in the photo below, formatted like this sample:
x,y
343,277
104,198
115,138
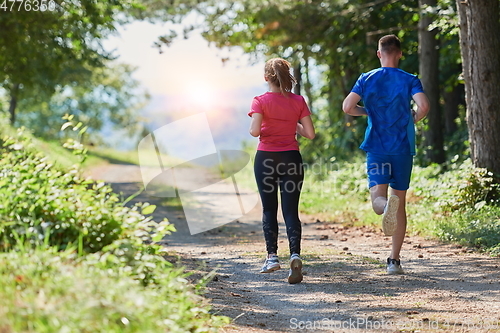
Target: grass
x,y
338,193
172,203
44,290
108,155
147,157
64,157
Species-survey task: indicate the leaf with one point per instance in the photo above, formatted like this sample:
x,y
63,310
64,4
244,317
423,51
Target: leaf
x,y
83,130
66,125
479,205
148,210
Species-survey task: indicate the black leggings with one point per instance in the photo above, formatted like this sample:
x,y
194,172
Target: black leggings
x,y
283,170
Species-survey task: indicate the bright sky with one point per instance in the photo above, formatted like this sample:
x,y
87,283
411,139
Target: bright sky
x,y
189,77
188,68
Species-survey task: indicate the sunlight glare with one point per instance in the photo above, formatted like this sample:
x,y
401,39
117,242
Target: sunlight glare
x,y
201,94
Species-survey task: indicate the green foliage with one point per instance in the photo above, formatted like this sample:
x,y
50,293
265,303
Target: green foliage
x,y
74,259
478,227
39,201
478,189
464,202
51,48
54,47
53,62
47,291
459,187
110,96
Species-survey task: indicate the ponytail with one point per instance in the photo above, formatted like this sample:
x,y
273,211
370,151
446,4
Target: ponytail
x,y
277,71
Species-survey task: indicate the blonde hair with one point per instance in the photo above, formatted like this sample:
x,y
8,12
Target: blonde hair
x,y
277,71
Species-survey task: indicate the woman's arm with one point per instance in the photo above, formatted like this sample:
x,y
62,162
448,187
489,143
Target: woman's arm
x,y
305,127
255,124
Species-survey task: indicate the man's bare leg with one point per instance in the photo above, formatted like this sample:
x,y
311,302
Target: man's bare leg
x,y
378,194
399,235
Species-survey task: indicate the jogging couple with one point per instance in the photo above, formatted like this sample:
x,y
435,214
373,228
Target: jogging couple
x,y
278,115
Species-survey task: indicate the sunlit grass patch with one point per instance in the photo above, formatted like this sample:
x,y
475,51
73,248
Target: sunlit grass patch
x,y
47,291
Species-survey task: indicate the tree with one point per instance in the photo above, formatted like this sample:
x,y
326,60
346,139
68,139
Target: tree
x,y
111,96
452,95
46,49
480,42
429,71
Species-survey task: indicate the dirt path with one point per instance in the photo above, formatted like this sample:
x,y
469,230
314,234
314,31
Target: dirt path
x,y
345,289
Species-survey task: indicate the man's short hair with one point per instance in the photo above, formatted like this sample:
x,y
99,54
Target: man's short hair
x,y
389,44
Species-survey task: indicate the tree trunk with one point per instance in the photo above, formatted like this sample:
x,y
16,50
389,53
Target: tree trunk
x,y
479,44
308,84
13,103
452,100
298,76
429,71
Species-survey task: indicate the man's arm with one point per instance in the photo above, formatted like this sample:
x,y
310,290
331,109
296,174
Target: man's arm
x,y
422,106
350,105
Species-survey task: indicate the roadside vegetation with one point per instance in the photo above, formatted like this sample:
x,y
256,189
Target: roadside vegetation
x,y
74,258
455,202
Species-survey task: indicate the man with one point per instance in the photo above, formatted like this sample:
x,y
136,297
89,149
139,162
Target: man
x,y
390,137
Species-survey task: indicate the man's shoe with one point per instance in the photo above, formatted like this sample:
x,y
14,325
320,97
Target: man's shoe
x,y
295,274
271,264
394,266
389,219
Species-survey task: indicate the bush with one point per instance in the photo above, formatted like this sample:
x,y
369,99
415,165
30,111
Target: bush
x,y
461,186
465,200
39,202
478,228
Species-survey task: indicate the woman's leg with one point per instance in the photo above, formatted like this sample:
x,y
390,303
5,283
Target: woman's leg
x,y
267,183
291,175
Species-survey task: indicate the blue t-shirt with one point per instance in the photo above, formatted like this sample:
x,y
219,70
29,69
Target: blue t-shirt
x,y
386,93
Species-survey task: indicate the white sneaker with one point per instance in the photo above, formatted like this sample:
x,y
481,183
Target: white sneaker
x,y
389,219
394,266
295,274
271,264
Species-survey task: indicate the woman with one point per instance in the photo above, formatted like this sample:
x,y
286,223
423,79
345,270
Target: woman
x,y
277,116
